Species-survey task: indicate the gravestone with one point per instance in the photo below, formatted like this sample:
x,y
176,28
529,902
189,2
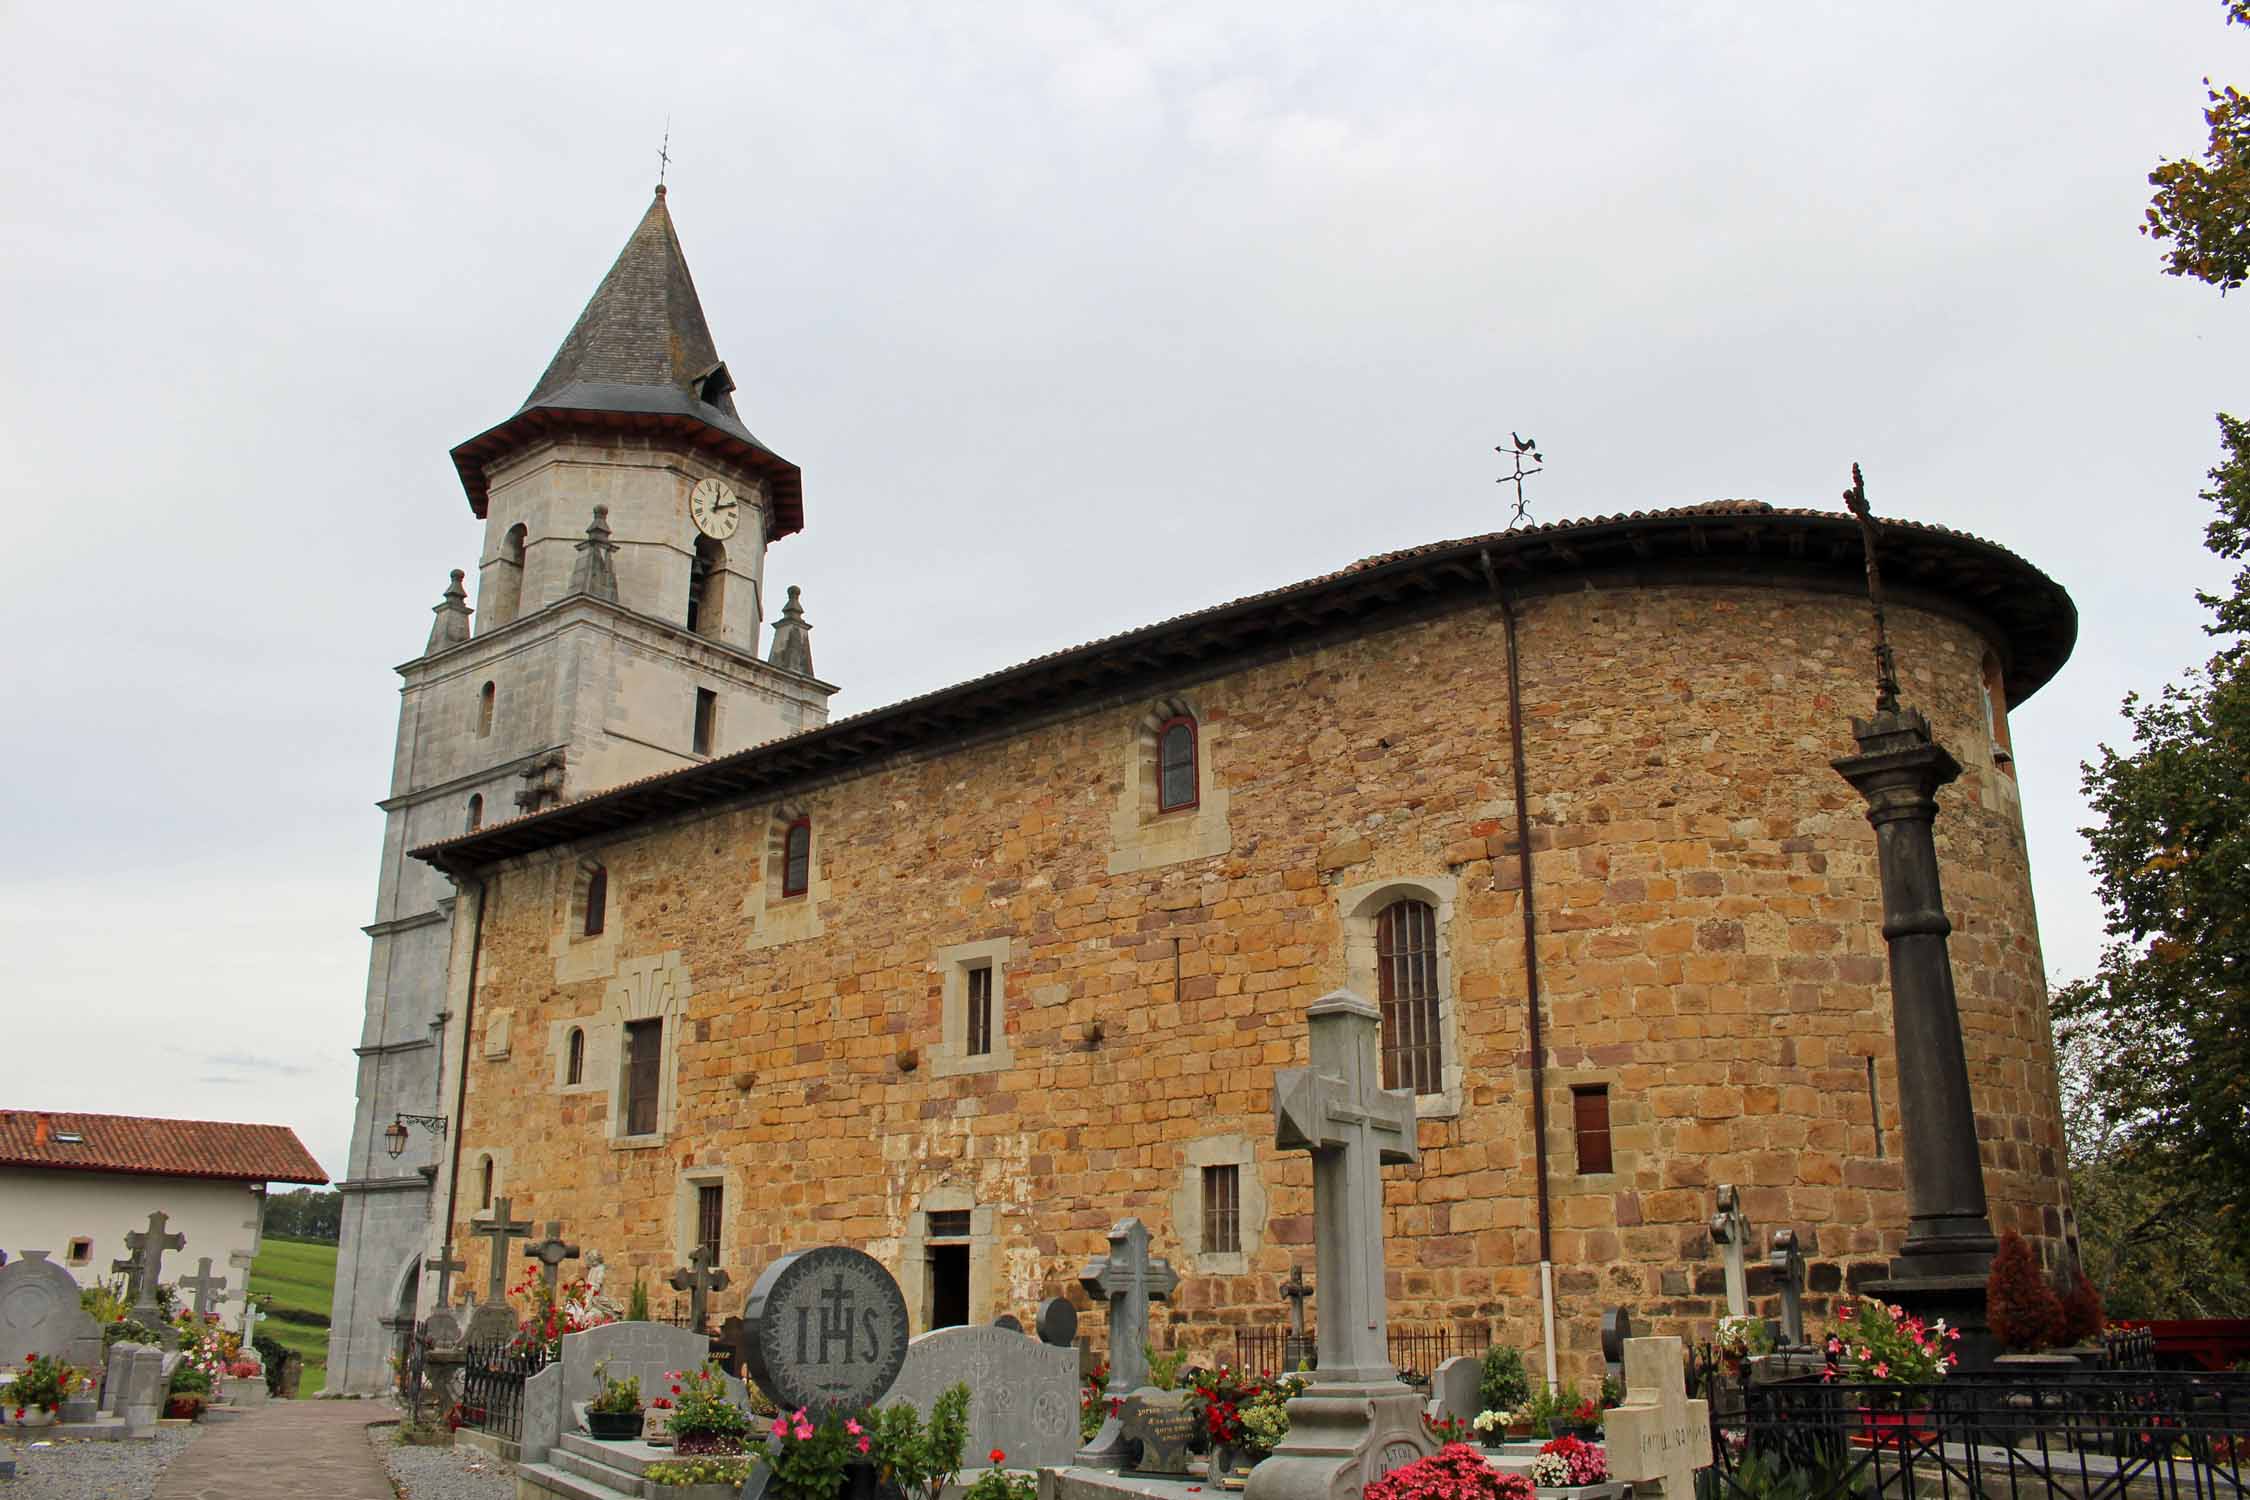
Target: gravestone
x,y
40,1313
1023,1394
648,1352
1297,1350
1454,1386
1789,1274
551,1252
1058,1322
143,1266
1730,1231
141,1379
1658,1438
1127,1279
446,1264
1617,1327
827,1330
1008,1321
491,1323
209,1290
251,1314
1355,1422
699,1279
1157,1427
501,1230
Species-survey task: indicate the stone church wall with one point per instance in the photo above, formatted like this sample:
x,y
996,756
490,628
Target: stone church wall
x,y
1709,949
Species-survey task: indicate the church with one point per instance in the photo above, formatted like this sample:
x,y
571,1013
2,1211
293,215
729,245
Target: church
x,y
664,953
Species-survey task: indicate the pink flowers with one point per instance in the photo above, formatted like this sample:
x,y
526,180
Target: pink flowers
x,y
864,1444
851,1425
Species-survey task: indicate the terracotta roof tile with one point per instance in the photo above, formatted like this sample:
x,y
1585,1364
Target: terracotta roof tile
x,y
163,1148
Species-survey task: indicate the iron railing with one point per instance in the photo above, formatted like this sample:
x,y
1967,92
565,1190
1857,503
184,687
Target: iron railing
x,y
1416,1352
492,1377
1989,1435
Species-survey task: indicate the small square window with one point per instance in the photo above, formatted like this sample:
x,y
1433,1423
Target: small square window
x,y
1589,1105
1222,1210
979,981
948,1224
81,1251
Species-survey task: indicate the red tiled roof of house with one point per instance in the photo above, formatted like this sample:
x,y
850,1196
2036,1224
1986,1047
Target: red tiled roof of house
x,y
164,1148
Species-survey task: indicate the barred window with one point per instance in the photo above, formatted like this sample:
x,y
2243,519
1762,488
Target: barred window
x,y
1406,967
1589,1110
796,858
574,1060
979,981
1222,1210
710,1213
644,1053
1175,765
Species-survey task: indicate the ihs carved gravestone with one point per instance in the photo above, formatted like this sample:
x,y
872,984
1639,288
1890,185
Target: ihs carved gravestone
x,y
40,1313
1356,1421
1023,1393
826,1330
1658,1438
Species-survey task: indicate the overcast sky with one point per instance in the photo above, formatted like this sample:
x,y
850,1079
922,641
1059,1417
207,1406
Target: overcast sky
x,y
1075,319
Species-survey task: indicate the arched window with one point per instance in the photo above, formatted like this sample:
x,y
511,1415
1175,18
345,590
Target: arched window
x,y
1406,971
597,901
476,812
484,1194
707,588
796,858
574,1057
1175,764
503,596
485,701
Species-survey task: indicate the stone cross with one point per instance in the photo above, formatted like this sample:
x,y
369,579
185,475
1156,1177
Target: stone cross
x,y
699,1279
1658,1438
445,1263
500,1230
1789,1271
208,1289
144,1262
1128,1280
250,1316
1296,1289
1730,1231
551,1252
1339,1110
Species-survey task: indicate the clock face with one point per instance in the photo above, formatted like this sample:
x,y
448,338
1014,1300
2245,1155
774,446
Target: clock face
x,y
715,508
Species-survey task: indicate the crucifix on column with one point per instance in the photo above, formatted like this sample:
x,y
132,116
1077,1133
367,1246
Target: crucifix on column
x,y
551,1252
699,1279
1730,1231
1128,1280
500,1230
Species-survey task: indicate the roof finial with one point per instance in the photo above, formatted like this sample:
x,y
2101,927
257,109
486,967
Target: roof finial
x,y
664,157
1886,666
451,627
792,638
593,573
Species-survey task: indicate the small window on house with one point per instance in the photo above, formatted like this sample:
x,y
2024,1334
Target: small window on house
x,y
796,858
644,1051
1589,1109
1175,765
707,580
597,901
706,719
710,1215
979,983
1222,1210
1406,972
947,1224
81,1251
486,699
574,1056
484,1189
476,812
502,596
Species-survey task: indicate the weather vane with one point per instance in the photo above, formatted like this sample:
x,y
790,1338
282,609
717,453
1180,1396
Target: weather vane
x,y
664,153
1886,666
1515,453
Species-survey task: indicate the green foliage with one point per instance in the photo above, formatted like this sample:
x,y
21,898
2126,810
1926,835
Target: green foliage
x,y
920,1459
126,1331
700,1408
305,1214
636,1302
808,1455
1004,1484
1505,1384
296,1282
676,1473
616,1397
104,1301
2200,211
1164,1369
187,1380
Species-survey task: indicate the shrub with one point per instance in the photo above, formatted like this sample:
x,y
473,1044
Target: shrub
x,y
2082,1316
1455,1472
678,1472
187,1380
1164,1369
126,1331
919,1460
2024,1311
1505,1384
42,1383
1003,1484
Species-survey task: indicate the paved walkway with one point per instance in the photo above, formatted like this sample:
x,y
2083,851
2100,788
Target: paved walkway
x,y
285,1451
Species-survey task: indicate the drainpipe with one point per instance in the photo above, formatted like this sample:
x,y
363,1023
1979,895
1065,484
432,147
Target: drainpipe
x,y
461,1085
1530,970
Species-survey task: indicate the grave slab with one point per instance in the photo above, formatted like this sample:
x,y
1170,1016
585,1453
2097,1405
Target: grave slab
x,y
1023,1393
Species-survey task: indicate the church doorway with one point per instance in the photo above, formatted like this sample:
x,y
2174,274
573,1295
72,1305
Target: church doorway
x,y
947,1249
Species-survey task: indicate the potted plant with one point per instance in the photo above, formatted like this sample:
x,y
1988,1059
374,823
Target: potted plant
x,y
1504,1384
1739,1338
997,1483
1568,1463
701,1419
700,1478
188,1394
38,1388
1265,1418
1455,1472
901,1454
614,1415
1879,1345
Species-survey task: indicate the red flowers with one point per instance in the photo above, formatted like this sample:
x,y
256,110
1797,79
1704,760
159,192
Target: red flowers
x,y
998,1455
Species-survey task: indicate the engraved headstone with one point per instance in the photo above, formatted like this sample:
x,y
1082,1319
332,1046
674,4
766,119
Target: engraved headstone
x,y
1058,1322
1454,1386
1658,1438
1128,1280
1158,1426
1355,1422
40,1313
1730,1231
827,1329
491,1323
1023,1394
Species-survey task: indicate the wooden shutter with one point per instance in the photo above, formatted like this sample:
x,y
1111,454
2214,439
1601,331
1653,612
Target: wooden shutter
x,y
1589,1106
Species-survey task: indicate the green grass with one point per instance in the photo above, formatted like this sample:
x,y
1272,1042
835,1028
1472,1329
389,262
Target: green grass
x,y
302,1278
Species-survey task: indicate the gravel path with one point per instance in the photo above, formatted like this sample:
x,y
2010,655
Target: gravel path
x,y
92,1471
458,1473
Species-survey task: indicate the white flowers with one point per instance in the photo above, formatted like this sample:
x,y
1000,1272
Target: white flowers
x,y
1490,1421
1550,1471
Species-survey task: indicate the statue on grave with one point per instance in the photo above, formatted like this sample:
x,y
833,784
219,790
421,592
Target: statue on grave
x,y
593,1304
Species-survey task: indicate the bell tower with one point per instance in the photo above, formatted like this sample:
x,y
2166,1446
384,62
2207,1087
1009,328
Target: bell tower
x,y
620,603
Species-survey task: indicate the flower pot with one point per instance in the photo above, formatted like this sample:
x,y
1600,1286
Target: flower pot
x,y
183,1408
863,1482
32,1416
1558,1427
613,1426
1892,1429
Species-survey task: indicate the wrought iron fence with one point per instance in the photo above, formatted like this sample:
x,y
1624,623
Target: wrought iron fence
x,y
1416,1352
1988,1435
1259,1348
492,1377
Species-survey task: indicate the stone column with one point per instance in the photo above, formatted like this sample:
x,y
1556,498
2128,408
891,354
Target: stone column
x,y
1941,1270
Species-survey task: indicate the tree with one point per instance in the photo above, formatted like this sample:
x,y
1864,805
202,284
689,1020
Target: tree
x,y
2025,1312
304,1214
2202,208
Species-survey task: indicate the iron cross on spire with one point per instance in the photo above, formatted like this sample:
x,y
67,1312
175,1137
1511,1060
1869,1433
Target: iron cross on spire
x,y
1886,667
664,155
